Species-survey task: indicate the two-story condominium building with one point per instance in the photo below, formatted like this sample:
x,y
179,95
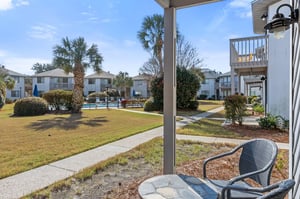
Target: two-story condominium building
x,y
282,80
19,90
265,57
225,84
52,80
141,86
98,82
209,87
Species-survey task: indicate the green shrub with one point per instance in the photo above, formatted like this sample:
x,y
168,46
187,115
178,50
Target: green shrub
x,y
251,99
193,105
8,101
157,90
2,100
59,98
282,123
258,108
187,87
30,106
202,97
93,96
235,108
149,105
268,122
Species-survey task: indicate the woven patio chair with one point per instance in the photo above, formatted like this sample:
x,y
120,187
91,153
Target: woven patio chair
x,y
256,161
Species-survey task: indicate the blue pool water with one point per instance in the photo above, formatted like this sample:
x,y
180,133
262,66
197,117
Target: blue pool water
x,y
100,105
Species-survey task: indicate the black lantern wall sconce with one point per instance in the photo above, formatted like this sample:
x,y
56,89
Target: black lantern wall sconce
x,y
280,23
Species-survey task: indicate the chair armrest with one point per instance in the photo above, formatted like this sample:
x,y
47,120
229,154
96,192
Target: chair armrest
x,y
228,188
217,157
247,175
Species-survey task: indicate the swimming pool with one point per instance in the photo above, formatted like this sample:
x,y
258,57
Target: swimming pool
x,y
100,105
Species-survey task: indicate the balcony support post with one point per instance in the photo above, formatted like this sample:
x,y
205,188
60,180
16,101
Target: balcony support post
x,y
232,81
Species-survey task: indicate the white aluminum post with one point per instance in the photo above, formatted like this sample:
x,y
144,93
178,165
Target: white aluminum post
x,y
232,81
169,91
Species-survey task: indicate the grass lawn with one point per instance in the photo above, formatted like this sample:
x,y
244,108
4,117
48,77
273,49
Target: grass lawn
x,y
28,142
151,152
207,127
204,105
146,159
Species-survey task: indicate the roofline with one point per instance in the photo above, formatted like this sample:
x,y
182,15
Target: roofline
x,y
260,7
182,4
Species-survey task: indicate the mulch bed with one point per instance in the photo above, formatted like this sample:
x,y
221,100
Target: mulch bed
x,y
226,168
123,186
251,131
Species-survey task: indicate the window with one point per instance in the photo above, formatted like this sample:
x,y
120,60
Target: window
x,y
17,79
205,81
91,81
62,80
15,93
40,80
139,83
205,92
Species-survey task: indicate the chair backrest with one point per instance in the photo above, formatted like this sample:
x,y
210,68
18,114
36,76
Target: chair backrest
x,y
279,193
258,154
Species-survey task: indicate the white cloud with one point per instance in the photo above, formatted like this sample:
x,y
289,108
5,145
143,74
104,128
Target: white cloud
x,y
107,20
242,8
217,21
6,4
22,3
22,64
240,3
93,19
90,16
2,53
43,31
85,13
129,43
9,4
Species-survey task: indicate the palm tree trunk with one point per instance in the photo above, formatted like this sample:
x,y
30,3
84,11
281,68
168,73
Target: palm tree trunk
x,y
77,99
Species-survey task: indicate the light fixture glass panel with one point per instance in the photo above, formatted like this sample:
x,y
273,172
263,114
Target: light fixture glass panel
x,y
279,34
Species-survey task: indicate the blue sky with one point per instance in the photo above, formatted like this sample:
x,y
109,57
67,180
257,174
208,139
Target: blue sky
x,y
30,29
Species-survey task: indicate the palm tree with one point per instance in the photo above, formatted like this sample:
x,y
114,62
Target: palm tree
x,y
123,81
75,56
151,36
6,82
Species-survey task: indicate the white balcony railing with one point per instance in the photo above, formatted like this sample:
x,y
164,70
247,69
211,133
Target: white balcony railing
x,y
249,52
63,86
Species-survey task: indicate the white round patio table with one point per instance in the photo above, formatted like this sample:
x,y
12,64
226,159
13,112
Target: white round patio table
x,y
176,186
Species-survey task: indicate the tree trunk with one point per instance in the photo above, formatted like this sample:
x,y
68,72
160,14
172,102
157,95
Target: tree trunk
x,y
77,99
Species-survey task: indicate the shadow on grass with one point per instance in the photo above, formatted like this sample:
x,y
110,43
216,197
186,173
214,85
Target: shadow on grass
x,y
69,123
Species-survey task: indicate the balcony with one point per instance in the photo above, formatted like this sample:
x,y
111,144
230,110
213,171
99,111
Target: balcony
x,y
63,86
249,55
226,85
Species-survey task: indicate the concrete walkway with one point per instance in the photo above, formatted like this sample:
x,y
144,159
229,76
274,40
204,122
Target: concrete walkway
x,y
27,182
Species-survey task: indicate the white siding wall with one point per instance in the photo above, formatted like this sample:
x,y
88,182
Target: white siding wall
x,y
42,87
278,71
208,88
89,87
141,87
18,89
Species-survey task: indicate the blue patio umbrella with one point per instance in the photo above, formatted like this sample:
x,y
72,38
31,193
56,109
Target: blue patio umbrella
x,y
35,91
